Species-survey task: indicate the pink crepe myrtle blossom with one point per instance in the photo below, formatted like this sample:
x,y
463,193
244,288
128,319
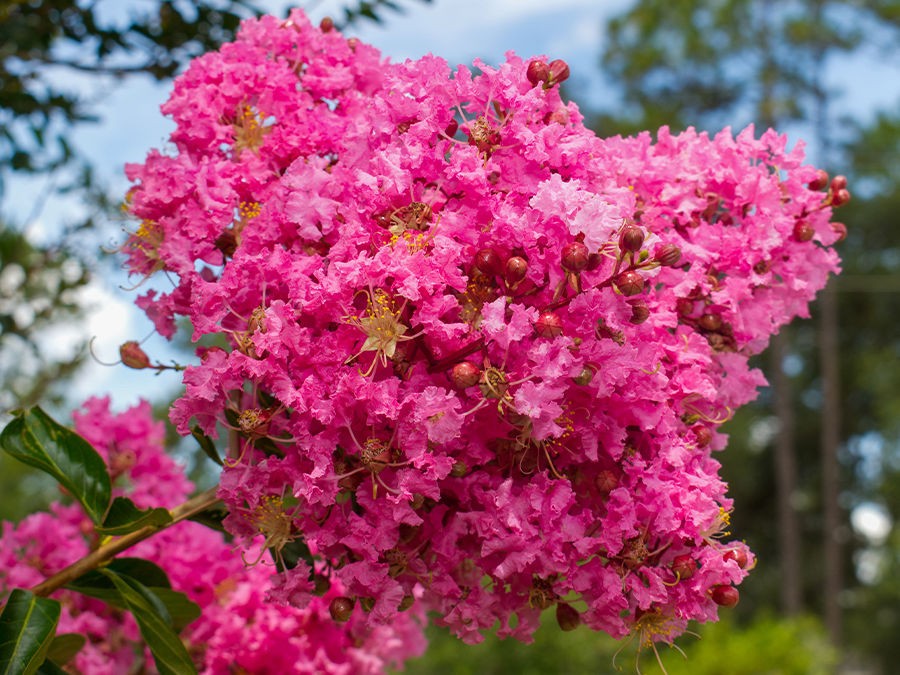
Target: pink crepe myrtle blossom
x,y
497,348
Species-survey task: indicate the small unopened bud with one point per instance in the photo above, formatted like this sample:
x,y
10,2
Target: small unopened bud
x,y
840,230
464,375
488,262
537,72
725,595
326,25
667,255
840,197
575,256
548,325
702,435
368,604
516,269
629,283
640,312
133,356
820,181
567,616
459,469
594,261
559,72
631,239
710,322
739,555
839,182
684,566
586,376
341,609
803,231
606,481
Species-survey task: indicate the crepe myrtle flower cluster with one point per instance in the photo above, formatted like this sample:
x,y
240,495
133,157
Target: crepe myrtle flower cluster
x,y
238,631
477,357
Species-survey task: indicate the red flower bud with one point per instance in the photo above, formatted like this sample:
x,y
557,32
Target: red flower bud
x,y
326,25
820,181
667,255
548,325
710,322
839,182
537,72
464,375
840,230
702,434
488,262
739,555
559,72
451,129
575,256
725,595
684,566
803,231
341,608
516,269
631,239
567,616
840,197
133,356
640,312
629,282
606,481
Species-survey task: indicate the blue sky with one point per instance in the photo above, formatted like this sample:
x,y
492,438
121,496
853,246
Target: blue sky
x,y
458,30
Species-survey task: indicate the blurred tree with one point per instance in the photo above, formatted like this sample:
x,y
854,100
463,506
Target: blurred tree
x,y
708,63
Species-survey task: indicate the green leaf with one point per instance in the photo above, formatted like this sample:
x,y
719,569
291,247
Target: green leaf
x,y
48,667
168,651
125,517
181,609
64,647
34,438
206,444
27,626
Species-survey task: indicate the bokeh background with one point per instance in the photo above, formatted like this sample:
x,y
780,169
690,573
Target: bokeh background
x,y
814,464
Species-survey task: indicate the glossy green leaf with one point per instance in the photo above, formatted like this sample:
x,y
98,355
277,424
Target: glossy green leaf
x,y
64,647
49,667
206,444
125,517
34,438
27,626
168,651
180,608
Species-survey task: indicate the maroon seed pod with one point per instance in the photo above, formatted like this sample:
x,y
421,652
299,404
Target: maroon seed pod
x,y
559,72
839,182
548,325
606,481
629,283
667,255
820,181
488,262
710,322
567,616
341,608
516,269
631,239
640,312
803,231
725,595
575,256
326,25
537,72
133,356
465,374
684,566
840,197
840,230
